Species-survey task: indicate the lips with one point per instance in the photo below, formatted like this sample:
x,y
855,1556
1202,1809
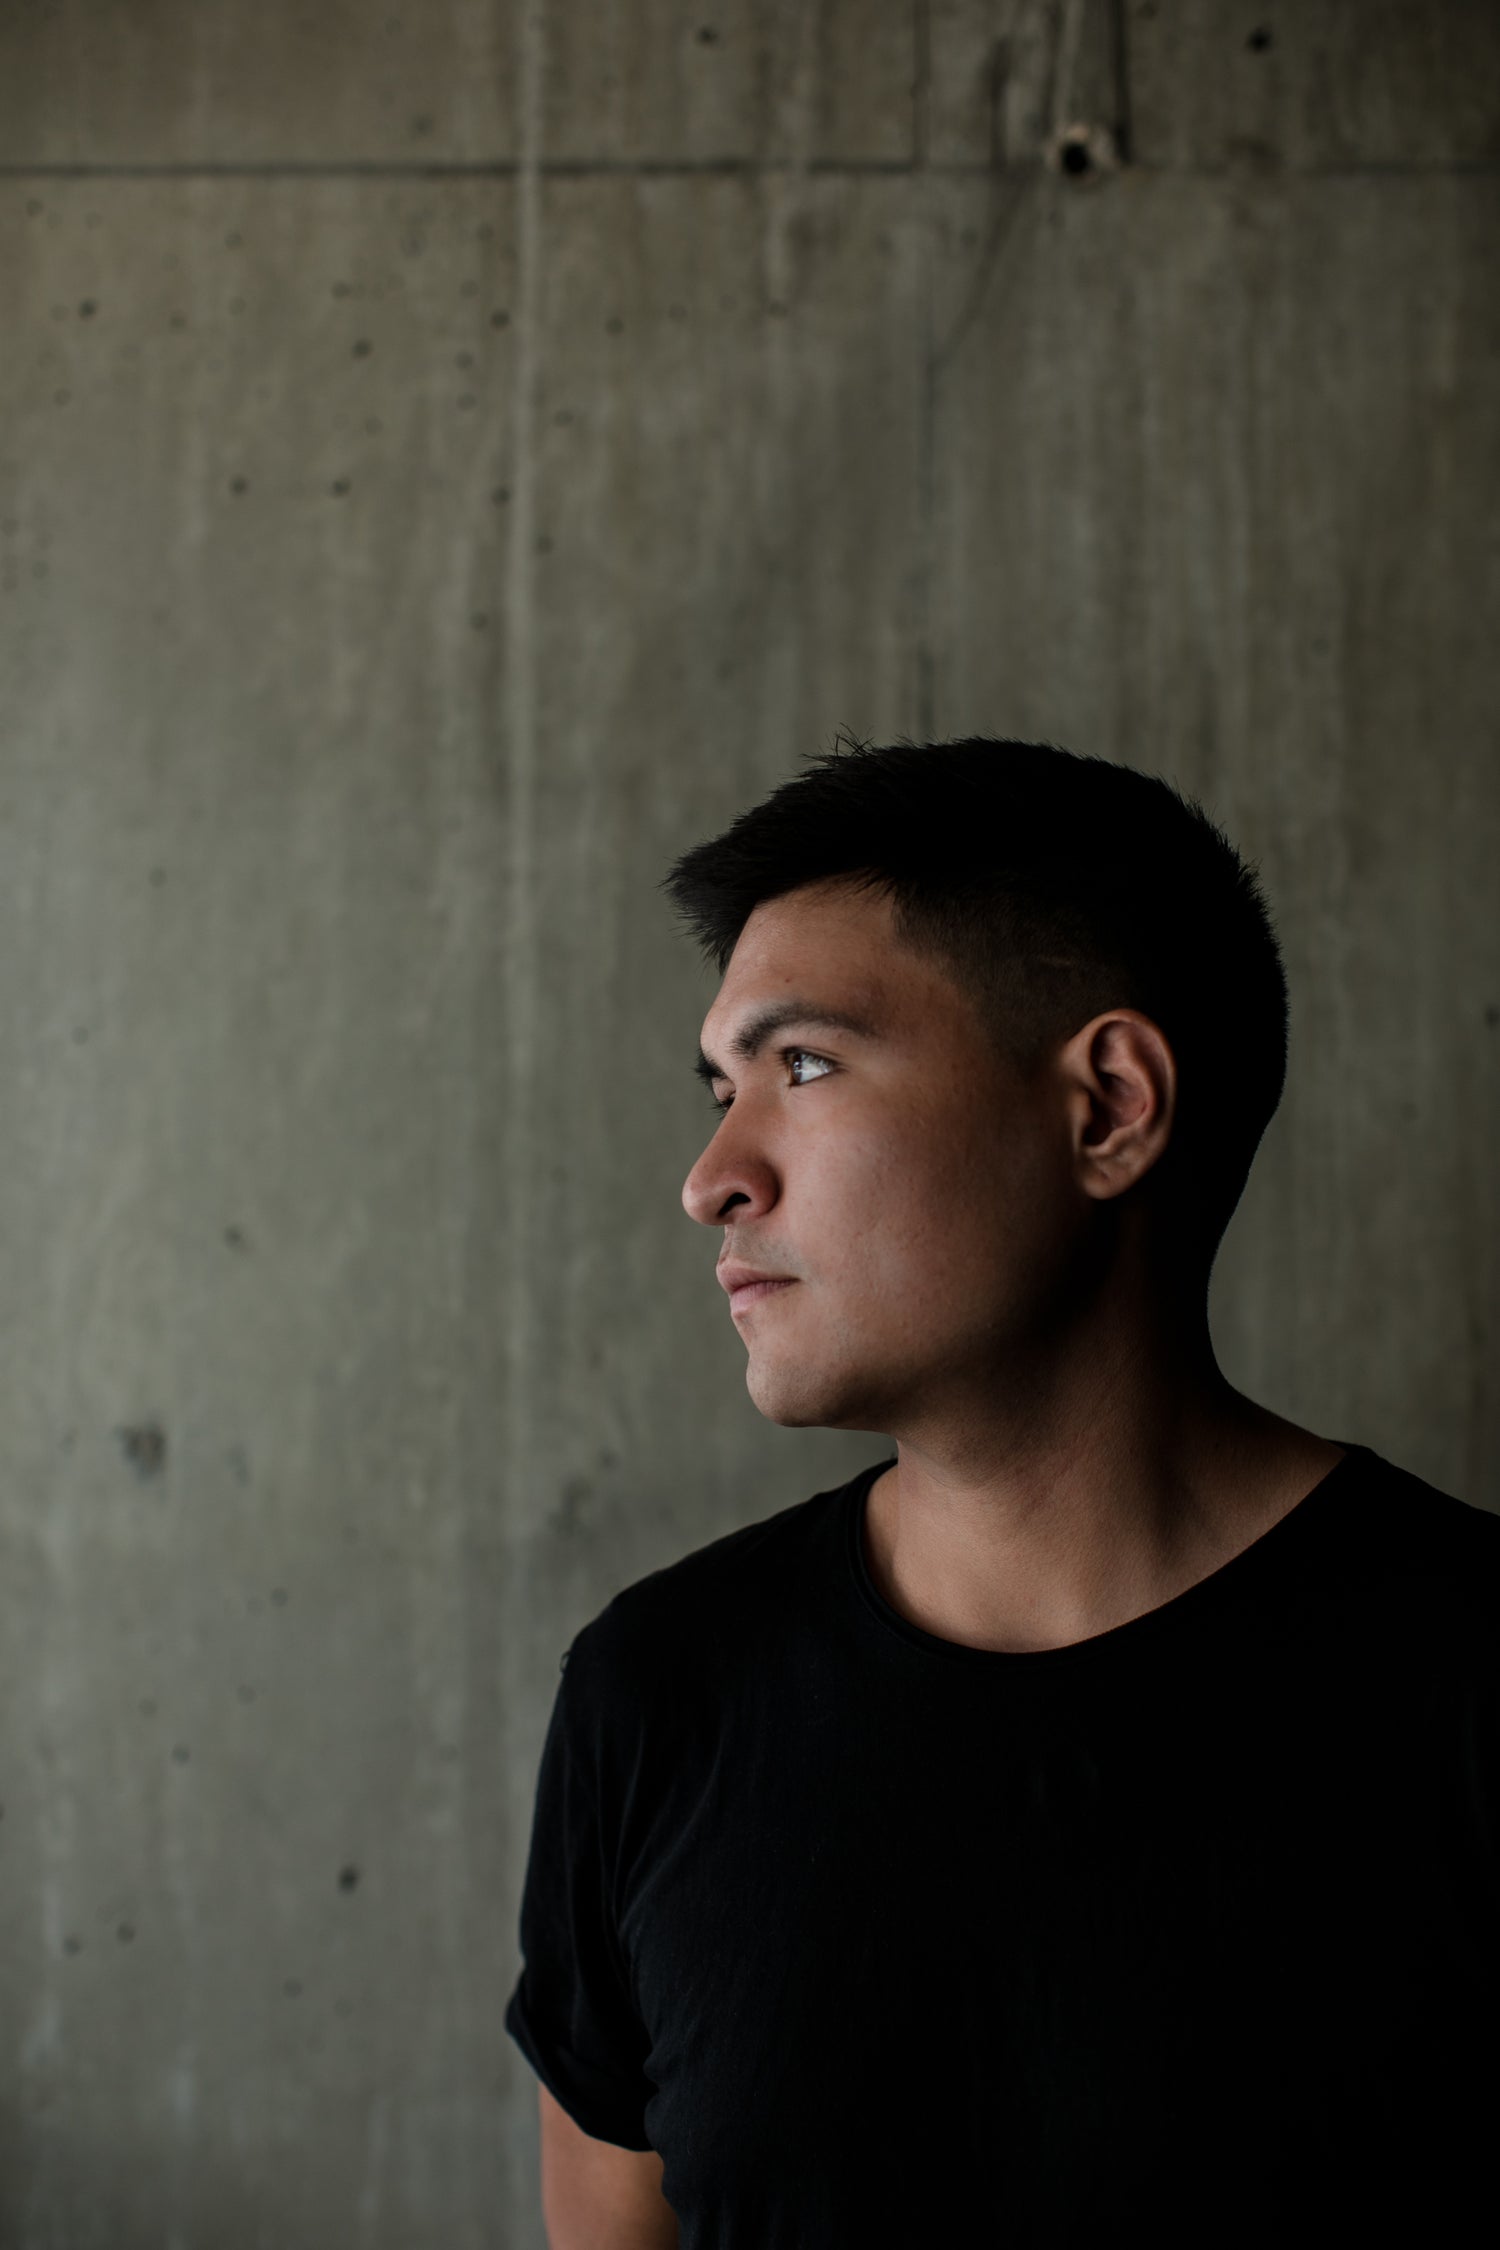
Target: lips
x,y
746,1285
751,1292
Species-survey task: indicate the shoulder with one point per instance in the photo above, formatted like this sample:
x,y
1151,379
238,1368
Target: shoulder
x,y
707,1613
1435,1527
1428,1557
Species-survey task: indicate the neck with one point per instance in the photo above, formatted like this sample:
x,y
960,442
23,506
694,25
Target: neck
x,y
1088,1490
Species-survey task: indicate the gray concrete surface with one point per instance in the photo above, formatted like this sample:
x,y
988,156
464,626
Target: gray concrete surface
x,y
450,460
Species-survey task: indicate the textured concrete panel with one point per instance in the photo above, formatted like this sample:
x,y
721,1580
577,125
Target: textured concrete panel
x,y
1313,85
1005,76
1204,85
255,820
1214,478
1305,86
257,81
654,80
242,82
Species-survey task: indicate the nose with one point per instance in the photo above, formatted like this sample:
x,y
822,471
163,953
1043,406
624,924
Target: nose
x,y
724,1177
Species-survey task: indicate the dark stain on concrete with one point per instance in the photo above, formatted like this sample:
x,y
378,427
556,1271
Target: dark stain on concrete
x,y
145,1448
571,1516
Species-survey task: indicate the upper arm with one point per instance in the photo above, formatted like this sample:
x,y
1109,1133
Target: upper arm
x,y
596,2196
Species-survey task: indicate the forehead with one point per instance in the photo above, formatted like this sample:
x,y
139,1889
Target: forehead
x,y
819,942
823,954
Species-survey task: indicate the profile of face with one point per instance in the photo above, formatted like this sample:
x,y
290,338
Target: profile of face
x,y
943,1218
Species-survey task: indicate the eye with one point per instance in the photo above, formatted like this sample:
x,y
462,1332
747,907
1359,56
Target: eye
x,y
786,1055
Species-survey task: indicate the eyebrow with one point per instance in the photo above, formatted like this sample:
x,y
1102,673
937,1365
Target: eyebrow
x,y
779,1016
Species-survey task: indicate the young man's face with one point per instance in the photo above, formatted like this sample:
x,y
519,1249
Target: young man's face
x,y
919,1191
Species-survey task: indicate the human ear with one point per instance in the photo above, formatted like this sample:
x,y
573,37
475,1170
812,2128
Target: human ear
x,y
1123,1097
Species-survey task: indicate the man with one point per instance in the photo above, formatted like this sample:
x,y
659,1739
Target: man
x,y
1085,1822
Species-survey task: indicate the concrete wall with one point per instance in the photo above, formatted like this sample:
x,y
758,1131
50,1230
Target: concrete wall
x,y
451,458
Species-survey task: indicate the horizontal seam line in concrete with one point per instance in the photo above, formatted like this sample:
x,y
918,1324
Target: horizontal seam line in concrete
x,y
647,167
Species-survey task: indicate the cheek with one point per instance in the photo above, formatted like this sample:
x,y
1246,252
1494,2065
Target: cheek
x,y
856,1203
914,1200
980,1209
932,1208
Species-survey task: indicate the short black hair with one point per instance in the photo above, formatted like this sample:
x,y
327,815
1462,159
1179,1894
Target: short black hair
x,y
1051,886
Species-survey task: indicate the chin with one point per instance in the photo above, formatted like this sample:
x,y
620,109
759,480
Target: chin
x,y
807,1398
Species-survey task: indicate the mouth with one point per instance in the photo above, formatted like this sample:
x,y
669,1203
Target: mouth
x,y
741,1299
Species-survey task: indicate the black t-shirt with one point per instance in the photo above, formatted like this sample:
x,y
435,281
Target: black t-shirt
x,y
1191,1929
